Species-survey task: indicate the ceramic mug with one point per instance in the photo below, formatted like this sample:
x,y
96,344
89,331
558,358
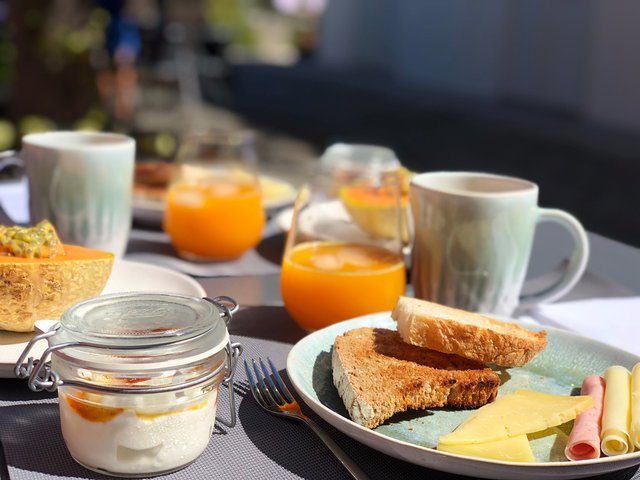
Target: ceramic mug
x,y
81,182
473,235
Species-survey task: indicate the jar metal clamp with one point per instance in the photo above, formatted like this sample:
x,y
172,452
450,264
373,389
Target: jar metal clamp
x,y
41,376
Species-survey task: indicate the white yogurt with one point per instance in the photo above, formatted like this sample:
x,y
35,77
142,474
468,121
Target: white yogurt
x,y
135,443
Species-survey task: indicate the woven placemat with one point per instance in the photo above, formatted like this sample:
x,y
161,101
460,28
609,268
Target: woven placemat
x,y
261,446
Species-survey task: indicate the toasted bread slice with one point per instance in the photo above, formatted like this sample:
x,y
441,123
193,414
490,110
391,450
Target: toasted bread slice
x,y
378,375
467,334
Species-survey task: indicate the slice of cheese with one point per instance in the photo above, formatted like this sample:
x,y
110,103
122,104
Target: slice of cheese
x,y
635,406
616,412
512,449
518,413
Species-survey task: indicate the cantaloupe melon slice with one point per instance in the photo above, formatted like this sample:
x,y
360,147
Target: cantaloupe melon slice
x,y
376,211
34,289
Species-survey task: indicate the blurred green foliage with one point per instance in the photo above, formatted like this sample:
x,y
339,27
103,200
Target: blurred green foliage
x,y
232,16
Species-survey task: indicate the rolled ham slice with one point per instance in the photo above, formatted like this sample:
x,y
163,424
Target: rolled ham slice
x,y
584,440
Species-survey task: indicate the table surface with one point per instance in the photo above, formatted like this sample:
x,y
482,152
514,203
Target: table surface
x,y
263,446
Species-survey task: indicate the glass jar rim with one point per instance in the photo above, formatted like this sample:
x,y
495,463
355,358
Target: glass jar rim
x,y
140,330
352,156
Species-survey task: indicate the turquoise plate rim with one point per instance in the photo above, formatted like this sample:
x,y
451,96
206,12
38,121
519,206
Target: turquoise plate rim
x,y
313,345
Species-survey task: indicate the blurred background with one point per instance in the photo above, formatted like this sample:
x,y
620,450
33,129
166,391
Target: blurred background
x,y
541,89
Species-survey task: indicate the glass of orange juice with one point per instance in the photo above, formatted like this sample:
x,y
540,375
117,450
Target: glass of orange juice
x,y
214,205
343,256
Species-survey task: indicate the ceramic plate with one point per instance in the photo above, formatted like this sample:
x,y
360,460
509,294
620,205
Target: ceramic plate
x,y
277,194
126,276
327,220
411,436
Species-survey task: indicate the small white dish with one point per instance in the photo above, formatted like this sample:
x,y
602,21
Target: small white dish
x,y
283,219
329,220
127,276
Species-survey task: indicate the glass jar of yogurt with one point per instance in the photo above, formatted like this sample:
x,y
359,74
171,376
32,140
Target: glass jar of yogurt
x,y
137,377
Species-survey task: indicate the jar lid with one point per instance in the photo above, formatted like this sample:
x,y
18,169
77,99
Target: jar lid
x,y
346,156
140,319
141,328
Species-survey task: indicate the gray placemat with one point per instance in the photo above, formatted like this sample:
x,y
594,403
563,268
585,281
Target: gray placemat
x,y
155,248
261,446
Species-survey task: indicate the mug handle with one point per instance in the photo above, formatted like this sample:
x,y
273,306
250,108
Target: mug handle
x,y
8,158
576,266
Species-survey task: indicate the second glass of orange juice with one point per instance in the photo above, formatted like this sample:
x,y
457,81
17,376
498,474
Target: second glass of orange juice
x,y
343,256
214,205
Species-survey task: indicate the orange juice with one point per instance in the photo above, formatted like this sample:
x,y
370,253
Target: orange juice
x,y
219,220
326,282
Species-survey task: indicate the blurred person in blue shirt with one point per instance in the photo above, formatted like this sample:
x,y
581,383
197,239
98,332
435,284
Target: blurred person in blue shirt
x,y
118,83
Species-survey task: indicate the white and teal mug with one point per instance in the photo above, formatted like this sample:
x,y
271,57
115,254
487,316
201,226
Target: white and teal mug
x,y
472,241
81,182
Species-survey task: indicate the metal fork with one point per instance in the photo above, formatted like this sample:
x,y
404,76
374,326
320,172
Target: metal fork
x,y
273,395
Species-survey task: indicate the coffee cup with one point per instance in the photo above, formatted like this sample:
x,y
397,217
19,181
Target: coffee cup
x,y
472,241
82,183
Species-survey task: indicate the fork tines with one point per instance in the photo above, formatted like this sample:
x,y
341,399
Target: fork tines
x,y
267,388
273,395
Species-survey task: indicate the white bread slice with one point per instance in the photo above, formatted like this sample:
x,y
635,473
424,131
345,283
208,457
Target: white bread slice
x,y
467,334
377,375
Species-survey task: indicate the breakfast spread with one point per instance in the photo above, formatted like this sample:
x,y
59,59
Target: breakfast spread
x,y
40,277
438,358
438,355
